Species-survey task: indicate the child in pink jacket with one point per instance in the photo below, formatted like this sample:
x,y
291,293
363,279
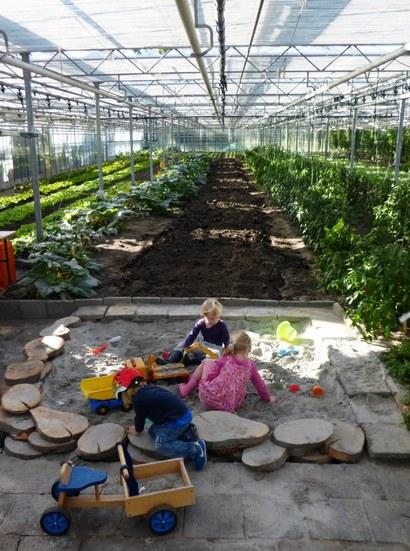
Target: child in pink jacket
x,y
222,383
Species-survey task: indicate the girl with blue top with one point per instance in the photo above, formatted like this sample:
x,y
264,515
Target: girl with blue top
x,y
210,330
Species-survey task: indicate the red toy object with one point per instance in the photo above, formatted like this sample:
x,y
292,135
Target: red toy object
x,y
99,349
126,376
317,391
166,355
294,388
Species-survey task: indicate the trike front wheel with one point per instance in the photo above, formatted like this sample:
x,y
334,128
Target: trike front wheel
x,y
162,520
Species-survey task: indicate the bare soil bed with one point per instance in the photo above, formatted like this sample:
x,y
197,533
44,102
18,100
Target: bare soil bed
x,y
228,241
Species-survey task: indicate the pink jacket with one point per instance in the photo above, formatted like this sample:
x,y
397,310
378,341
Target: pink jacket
x,y
223,383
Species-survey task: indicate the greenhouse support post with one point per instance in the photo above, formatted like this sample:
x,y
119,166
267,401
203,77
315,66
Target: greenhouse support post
x,y
100,192
163,140
327,138
399,141
151,168
353,140
33,150
131,142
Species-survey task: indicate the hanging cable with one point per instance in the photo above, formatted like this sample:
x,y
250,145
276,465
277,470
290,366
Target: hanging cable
x,y
220,27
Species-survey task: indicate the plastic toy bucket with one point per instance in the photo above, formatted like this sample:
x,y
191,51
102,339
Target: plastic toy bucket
x,y
285,332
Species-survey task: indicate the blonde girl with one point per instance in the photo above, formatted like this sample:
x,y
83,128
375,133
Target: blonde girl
x,y
222,383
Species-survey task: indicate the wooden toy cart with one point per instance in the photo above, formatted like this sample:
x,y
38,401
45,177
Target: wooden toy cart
x,y
158,507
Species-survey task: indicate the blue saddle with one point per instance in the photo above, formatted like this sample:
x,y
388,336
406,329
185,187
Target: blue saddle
x,y
82,478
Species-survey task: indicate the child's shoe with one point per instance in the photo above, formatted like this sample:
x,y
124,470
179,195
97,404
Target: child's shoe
x,y
201,457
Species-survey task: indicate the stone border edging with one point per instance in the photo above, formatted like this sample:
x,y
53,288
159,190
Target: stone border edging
x,y
42,309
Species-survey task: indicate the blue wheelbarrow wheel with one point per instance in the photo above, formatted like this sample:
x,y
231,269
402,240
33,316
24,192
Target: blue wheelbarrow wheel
x,y
55,521
162,520
55,491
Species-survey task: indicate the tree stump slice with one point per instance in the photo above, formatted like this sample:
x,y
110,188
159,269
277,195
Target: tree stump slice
x,y
14,425
265,457
302,435
20,398
100,441
23,372
56,331
312,457
20,449
44,348
347,443
3,436
224,432
58,426
47,369
44,446
145,444
69,321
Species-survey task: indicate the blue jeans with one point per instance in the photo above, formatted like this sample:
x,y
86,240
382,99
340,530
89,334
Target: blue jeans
x,y
166,441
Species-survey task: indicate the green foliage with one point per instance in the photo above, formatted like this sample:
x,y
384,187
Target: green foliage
x,y
398,362
358,224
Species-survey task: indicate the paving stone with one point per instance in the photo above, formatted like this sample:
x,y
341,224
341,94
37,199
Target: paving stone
x,y
225,431
91,313
121,311
24,515
231,313
176,300
396,481
389,520
359,368
101,521
337,520
152,312
215,515
375,409
117,300
10,309
16,424
183,312
146,300
387,441
259,312
47,543
265,457
33,309
316,545
272,518
9,543
60,308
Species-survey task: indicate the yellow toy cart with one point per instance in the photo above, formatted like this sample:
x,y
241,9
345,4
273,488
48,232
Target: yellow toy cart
x,y
158,507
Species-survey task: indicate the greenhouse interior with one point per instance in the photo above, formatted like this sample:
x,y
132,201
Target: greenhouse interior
x,y
309,95
242,164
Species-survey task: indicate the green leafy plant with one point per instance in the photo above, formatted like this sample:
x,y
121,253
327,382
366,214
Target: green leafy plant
x,y
398,362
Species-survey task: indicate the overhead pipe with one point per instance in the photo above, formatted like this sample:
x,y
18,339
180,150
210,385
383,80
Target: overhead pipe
x,y
220,25
404,50
186,17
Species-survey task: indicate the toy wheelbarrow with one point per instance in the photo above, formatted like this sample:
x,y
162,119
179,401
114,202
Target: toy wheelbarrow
x,y
158,507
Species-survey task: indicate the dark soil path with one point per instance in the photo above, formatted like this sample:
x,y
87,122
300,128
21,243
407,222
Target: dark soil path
x,y
229,241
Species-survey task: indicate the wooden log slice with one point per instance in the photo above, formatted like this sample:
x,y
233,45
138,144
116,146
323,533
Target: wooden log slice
x,y
265,457
23,372
47,369
100,441
20,449
56,330
224,431
44,446
15,425
312,457
20,398
44,348
69,321
58,426
302,435
347,442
